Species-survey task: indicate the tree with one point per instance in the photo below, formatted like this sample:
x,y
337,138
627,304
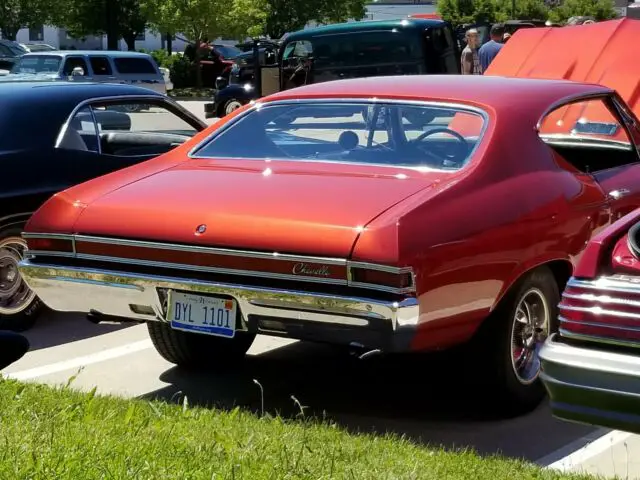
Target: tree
x,y
247,18
290,15
198,20
599,9
17,14
525,10
115,18
458,12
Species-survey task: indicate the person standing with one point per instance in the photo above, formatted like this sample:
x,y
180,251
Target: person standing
x,y
489,50
470,62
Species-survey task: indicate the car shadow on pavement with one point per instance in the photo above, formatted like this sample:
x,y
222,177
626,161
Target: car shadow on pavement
x,y
423,399
57,328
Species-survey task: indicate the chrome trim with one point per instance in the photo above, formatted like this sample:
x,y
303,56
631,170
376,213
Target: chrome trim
x,y
615,283
112,292
347,281
590,297
200,249
116,98
599,311
97,130
600,325
595,339
366,101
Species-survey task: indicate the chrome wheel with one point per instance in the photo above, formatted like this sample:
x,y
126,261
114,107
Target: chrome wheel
x,y
530,330
15,295
231,106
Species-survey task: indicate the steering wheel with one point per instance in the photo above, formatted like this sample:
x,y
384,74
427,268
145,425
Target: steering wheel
x,y
457,156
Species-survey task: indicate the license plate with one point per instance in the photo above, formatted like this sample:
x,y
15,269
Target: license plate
x,y
202,314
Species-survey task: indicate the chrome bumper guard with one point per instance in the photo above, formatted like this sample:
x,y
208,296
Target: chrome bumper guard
x,y
323,317
592,385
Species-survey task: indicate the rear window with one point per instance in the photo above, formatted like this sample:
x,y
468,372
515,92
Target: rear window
x,y
389,134
132,65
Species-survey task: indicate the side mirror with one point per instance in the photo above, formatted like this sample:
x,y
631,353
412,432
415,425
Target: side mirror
x,y
221,82
77,72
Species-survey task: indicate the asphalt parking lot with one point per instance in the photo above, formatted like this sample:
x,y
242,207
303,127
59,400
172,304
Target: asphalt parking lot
x,y
375,395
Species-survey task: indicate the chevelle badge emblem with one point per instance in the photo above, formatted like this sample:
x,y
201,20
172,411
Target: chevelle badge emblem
x,y
306,269
200,229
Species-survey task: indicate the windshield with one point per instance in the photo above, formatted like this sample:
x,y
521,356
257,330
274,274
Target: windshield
x,y
37,64
228,52
409,135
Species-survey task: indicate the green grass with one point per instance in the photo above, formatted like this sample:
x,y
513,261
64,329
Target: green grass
x,y
58,433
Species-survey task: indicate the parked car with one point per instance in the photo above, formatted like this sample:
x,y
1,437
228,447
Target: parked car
x,y
38,47
216,61
10,52
55,135
341,222
591,367
90,66
374,48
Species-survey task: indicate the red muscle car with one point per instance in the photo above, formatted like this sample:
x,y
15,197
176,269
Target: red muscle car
x,y
591,367
324,213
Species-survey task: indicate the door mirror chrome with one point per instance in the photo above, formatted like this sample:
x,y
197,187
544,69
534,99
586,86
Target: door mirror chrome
x,y
618,194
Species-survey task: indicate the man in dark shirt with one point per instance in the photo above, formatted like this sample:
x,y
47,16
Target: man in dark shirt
x,y
489,50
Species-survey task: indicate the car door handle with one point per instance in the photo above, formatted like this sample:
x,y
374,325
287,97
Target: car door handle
x,y
619,193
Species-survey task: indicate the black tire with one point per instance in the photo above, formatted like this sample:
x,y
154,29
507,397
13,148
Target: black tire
x,y
231,105
493,346
195,350
21,317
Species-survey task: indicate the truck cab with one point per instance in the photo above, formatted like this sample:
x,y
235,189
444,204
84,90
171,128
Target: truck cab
x,y
412,46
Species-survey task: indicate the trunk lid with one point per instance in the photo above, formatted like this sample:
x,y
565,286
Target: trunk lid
x,y
597,53
289,207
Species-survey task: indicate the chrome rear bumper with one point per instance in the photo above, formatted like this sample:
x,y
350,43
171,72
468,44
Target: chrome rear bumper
x,y
308,316
592,385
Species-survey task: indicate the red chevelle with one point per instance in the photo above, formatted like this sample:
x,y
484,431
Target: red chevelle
x,y
331,213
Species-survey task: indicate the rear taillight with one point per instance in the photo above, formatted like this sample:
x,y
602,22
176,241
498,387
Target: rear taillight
x,y
49,245
396,280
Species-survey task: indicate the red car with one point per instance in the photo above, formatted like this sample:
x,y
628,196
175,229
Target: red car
x,y
591,367
327,213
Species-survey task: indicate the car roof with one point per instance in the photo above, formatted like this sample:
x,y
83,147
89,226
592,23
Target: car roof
x,y
111,53
42,107
491,93
408,23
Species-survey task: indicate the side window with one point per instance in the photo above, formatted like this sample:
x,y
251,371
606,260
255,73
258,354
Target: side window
x,y
81,134
73,62
100,65
5,52
130,128
588,135
134,65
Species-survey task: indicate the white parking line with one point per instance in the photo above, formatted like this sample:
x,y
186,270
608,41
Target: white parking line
x,y
78,362
586,452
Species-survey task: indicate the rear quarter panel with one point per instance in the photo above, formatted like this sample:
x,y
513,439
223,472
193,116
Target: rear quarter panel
x,y
513,208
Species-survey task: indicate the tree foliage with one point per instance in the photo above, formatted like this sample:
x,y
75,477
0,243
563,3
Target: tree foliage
x,y
17,14
115,18
599,9
291,15
468,11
